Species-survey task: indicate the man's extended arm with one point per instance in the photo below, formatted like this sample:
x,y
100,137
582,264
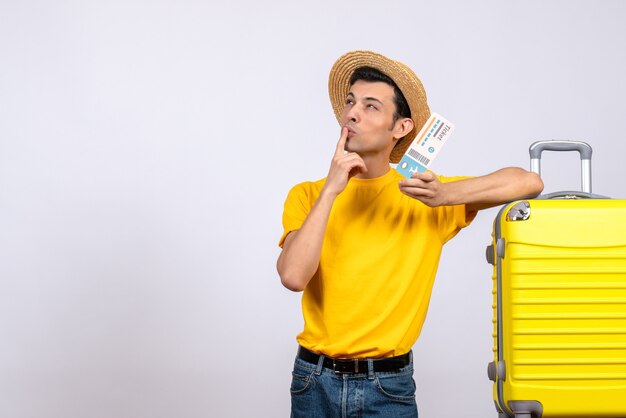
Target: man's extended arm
x,y
302,249
476,193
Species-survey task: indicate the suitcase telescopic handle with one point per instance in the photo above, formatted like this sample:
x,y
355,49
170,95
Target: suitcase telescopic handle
x,y
583,149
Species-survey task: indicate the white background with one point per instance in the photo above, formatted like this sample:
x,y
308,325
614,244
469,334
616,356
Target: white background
x,y
146,148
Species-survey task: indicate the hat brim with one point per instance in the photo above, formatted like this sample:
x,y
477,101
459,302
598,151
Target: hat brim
x,y
403,76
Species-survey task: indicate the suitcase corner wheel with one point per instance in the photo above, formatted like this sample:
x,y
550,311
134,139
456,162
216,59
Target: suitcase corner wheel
x,y
526,409
522,409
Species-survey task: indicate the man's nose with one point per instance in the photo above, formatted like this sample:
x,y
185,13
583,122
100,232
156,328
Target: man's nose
x,y
353,114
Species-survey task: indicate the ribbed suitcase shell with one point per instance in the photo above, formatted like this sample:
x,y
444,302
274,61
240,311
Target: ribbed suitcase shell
x,y
560,309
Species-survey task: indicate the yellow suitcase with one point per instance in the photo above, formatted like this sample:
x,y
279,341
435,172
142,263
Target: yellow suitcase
x,y
559,301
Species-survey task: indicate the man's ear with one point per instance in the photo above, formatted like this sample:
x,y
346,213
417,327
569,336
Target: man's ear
x,y
402,127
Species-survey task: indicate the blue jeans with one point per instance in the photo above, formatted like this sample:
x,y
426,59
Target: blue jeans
x,y
318,392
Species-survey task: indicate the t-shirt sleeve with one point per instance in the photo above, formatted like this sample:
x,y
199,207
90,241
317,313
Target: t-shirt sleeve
x,y
296,209
451,219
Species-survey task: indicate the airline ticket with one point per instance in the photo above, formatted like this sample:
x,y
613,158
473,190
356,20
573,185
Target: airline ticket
x,y
426,145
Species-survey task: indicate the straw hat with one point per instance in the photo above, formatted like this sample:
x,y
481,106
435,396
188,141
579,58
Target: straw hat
x,y
403,76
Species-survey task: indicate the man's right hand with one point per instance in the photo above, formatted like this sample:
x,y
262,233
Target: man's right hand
x,y
343,167
300,257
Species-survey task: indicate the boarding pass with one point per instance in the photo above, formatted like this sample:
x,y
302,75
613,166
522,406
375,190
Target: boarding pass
x,y
426,145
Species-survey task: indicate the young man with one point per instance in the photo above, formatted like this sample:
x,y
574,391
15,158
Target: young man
x,y
364,244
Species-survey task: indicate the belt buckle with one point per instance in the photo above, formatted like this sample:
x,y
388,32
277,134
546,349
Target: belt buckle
x,y
346,361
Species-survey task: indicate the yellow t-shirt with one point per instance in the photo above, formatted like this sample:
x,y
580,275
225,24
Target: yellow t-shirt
x,y
379,257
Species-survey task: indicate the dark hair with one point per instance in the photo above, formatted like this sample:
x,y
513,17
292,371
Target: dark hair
x,y
372,74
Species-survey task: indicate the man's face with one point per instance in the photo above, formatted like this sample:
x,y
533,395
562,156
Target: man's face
x,y
368,115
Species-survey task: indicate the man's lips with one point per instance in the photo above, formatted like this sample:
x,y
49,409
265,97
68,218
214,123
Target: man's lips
x,y
351,131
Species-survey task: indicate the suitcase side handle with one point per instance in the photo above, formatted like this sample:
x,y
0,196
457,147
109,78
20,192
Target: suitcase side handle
x,y
583,149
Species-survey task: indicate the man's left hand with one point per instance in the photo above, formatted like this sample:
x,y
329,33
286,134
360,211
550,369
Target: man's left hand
x,y
425,187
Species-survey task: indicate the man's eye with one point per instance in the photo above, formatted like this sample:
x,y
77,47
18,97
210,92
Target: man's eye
x,y
349,101
372,107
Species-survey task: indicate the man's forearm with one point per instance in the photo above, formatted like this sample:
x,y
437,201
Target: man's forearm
x,y
494,189
300,258
476,193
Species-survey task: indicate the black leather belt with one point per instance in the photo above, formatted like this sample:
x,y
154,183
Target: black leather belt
x,y
346,365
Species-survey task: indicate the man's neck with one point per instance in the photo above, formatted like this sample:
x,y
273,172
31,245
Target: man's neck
x,y
376,167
